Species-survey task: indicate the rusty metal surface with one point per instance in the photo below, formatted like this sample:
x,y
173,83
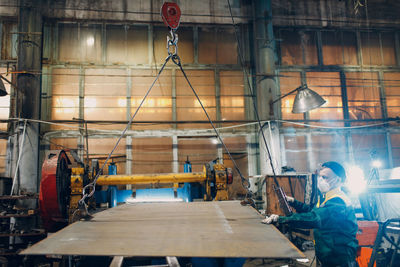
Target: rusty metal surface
x,y
197,229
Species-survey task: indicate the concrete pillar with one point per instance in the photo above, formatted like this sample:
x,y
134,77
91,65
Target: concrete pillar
x,y
28,95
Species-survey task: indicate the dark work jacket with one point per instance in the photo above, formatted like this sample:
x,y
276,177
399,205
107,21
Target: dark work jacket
x,y
335,227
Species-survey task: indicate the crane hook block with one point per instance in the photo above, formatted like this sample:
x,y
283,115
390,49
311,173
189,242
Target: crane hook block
x,y
171,15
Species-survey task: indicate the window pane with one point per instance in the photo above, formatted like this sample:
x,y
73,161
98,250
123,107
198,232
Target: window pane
x,y
332,47
232,95
65,91
392,91
5,100
290,45
9,40
364,145
3,155
328,148
207,46
326,84
309,43
90,41
158,104
199,151
371,49
349,48
363,95
395,140
288,82
188,107
152,155
127,44
68,43
226,46
388,49
296,152
105,96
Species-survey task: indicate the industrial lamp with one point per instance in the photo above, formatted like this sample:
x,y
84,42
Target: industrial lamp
x,y
3,91
305,100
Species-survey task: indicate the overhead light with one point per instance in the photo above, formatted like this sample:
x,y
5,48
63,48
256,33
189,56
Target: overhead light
x,y
305,100
3,91
376,163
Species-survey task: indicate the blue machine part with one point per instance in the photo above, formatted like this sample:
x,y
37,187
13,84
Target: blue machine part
x,y
113,196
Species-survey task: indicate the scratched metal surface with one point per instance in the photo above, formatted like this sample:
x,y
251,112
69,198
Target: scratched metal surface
x,y
197,229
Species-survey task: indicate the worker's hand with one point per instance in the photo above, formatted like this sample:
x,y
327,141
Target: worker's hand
x,y
271,219
289,199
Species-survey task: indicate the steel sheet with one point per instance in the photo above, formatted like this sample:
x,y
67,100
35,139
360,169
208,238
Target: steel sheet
x,y
197,229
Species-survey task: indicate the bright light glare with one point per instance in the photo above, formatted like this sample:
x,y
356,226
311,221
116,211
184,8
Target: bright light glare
x,y
376,163
90,41
355,180
147,200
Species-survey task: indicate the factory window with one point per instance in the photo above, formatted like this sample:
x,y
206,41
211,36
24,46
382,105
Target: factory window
x,y
378,49
288,82
9,41
127,44
327,84
3,155
395,141
369,146
232,95
105,95
199,151
328,147
185,45
152,155
217,46
68,44
363,95
188,107
298,47
339,48
99,148
392,91
80,43
65,95
158,104
296,152
5,100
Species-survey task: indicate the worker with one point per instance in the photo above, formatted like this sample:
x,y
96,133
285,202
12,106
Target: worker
x,y
333,219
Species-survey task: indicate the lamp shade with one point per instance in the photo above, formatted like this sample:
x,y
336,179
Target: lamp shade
x,y
306,100
3,90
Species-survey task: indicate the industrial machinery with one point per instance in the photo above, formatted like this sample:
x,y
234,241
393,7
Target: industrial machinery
x,y
62,186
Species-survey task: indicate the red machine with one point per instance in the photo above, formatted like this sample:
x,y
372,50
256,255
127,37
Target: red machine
x,y
55,191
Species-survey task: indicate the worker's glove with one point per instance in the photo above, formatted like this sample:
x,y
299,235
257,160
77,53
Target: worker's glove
x,y
289,199
271,219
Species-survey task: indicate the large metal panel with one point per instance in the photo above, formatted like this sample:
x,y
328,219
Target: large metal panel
x,y
197,229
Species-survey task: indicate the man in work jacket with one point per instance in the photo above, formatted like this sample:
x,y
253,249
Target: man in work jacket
x,y
333,219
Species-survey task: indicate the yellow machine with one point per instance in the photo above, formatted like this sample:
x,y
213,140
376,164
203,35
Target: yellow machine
x,y
62,185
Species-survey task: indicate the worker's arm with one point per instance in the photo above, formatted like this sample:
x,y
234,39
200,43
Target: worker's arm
x,y
312,219
300,206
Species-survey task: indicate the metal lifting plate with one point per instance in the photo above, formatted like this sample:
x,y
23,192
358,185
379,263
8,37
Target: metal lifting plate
x,y
171,15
